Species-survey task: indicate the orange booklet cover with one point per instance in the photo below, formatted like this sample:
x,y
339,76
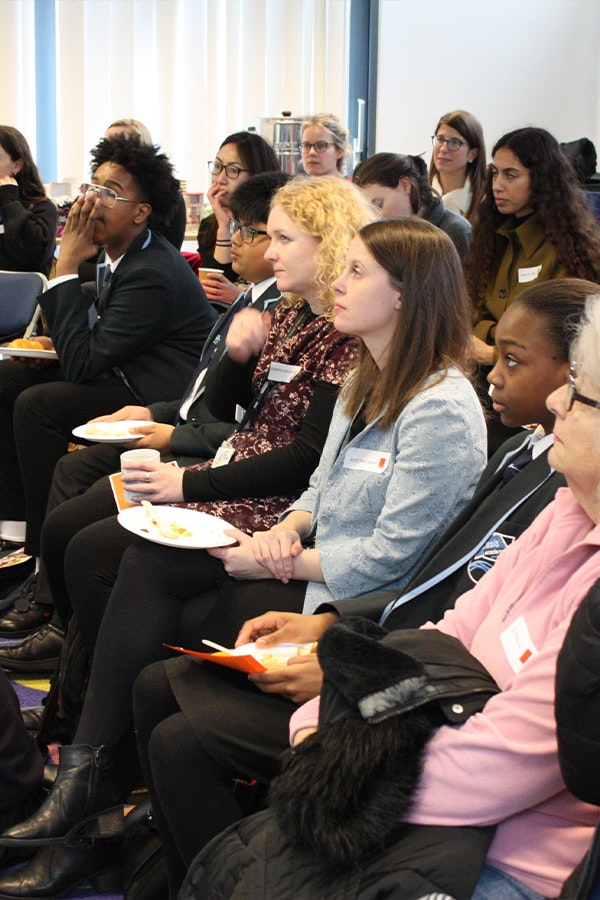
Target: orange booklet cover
x,y
246,663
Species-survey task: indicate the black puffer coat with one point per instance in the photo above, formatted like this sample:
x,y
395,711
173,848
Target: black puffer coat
x,y
335,828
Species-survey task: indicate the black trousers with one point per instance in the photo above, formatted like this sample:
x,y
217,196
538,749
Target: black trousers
x,y
191,771
21,763
38,411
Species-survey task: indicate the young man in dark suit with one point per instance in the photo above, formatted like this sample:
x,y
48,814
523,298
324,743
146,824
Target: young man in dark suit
x,y
152,321
182,429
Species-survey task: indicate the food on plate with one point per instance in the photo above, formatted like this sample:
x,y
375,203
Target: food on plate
x,y
25,344
103,431
170,530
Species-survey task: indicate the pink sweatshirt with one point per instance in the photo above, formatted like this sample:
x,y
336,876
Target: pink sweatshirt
x,y
501,766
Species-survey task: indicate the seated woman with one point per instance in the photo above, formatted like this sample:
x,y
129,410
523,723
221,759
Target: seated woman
x,y
323,145
501,767
534,224
227,729
240,156
28,218
402,455
273,455
458,164
397,186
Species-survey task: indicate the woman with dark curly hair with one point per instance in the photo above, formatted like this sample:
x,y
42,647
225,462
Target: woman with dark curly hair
x,y
457,167
28,218
533,225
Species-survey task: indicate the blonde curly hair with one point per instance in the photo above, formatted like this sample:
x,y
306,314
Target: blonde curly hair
x,y
332,211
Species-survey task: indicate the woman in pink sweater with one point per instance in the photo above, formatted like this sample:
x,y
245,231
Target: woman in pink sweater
x,y
501,766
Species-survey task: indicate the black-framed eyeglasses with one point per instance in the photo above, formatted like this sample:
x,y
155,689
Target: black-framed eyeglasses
x,y
107,196
319,146
573,394
454,144
247,234
232,171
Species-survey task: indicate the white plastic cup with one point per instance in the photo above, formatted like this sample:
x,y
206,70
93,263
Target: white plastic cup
x,y
129,461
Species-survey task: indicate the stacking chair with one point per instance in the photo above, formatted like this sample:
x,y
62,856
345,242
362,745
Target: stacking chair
x,y
18,302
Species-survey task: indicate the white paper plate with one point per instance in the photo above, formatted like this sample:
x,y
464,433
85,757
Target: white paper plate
x,y
109,432
206,531
31,352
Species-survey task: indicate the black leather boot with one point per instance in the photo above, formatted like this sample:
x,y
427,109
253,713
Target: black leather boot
x,y
61,869
84,802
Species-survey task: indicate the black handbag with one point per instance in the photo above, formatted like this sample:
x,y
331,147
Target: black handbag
x,y
144,866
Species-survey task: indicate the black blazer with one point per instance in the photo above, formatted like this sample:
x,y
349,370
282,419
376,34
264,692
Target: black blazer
x,y
494,517
153,320
201,435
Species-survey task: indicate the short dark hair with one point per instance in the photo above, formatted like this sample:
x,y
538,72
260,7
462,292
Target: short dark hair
x,y
388,168
251,202
28,178
256,154
561,304
151,170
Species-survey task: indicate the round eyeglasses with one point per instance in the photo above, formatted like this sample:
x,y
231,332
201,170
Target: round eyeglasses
x,y
573,394
232,171
106,195
319,146
247,234
454,144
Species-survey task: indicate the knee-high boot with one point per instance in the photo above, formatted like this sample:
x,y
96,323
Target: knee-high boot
x,y
84,802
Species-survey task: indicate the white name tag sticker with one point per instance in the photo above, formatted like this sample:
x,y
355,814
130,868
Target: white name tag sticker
x,y
240,412
530,274
223,455
283,372
517,644
366,460
1,229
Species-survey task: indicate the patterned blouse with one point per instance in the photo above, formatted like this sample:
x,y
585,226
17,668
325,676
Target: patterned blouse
x,y
321,354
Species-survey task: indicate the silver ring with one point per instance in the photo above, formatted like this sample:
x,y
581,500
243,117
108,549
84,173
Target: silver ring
x,y
147,476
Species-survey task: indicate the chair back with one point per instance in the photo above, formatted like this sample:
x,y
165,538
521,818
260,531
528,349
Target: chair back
x,y
19,292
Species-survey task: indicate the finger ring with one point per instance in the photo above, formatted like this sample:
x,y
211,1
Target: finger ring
x,y
147,476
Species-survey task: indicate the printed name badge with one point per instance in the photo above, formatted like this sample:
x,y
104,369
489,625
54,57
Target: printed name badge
x,y
366,460
283,372
530,274
518,644
223,455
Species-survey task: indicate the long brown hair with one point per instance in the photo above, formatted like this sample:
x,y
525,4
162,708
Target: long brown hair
x,y
433,327
28,178
470,129
557,199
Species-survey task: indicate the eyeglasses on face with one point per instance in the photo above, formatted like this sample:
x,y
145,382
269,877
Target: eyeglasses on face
x,y
232,171
247,233
107,196
319,146
454,144
573,394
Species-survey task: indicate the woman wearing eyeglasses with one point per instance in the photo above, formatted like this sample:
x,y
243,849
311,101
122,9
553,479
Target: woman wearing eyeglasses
x,y
28,218
457,168
240,156
397,186
324,144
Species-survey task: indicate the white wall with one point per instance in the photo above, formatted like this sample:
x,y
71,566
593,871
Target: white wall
x,y
509,62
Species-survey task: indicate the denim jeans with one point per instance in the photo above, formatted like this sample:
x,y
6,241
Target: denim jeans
x,y
493,884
